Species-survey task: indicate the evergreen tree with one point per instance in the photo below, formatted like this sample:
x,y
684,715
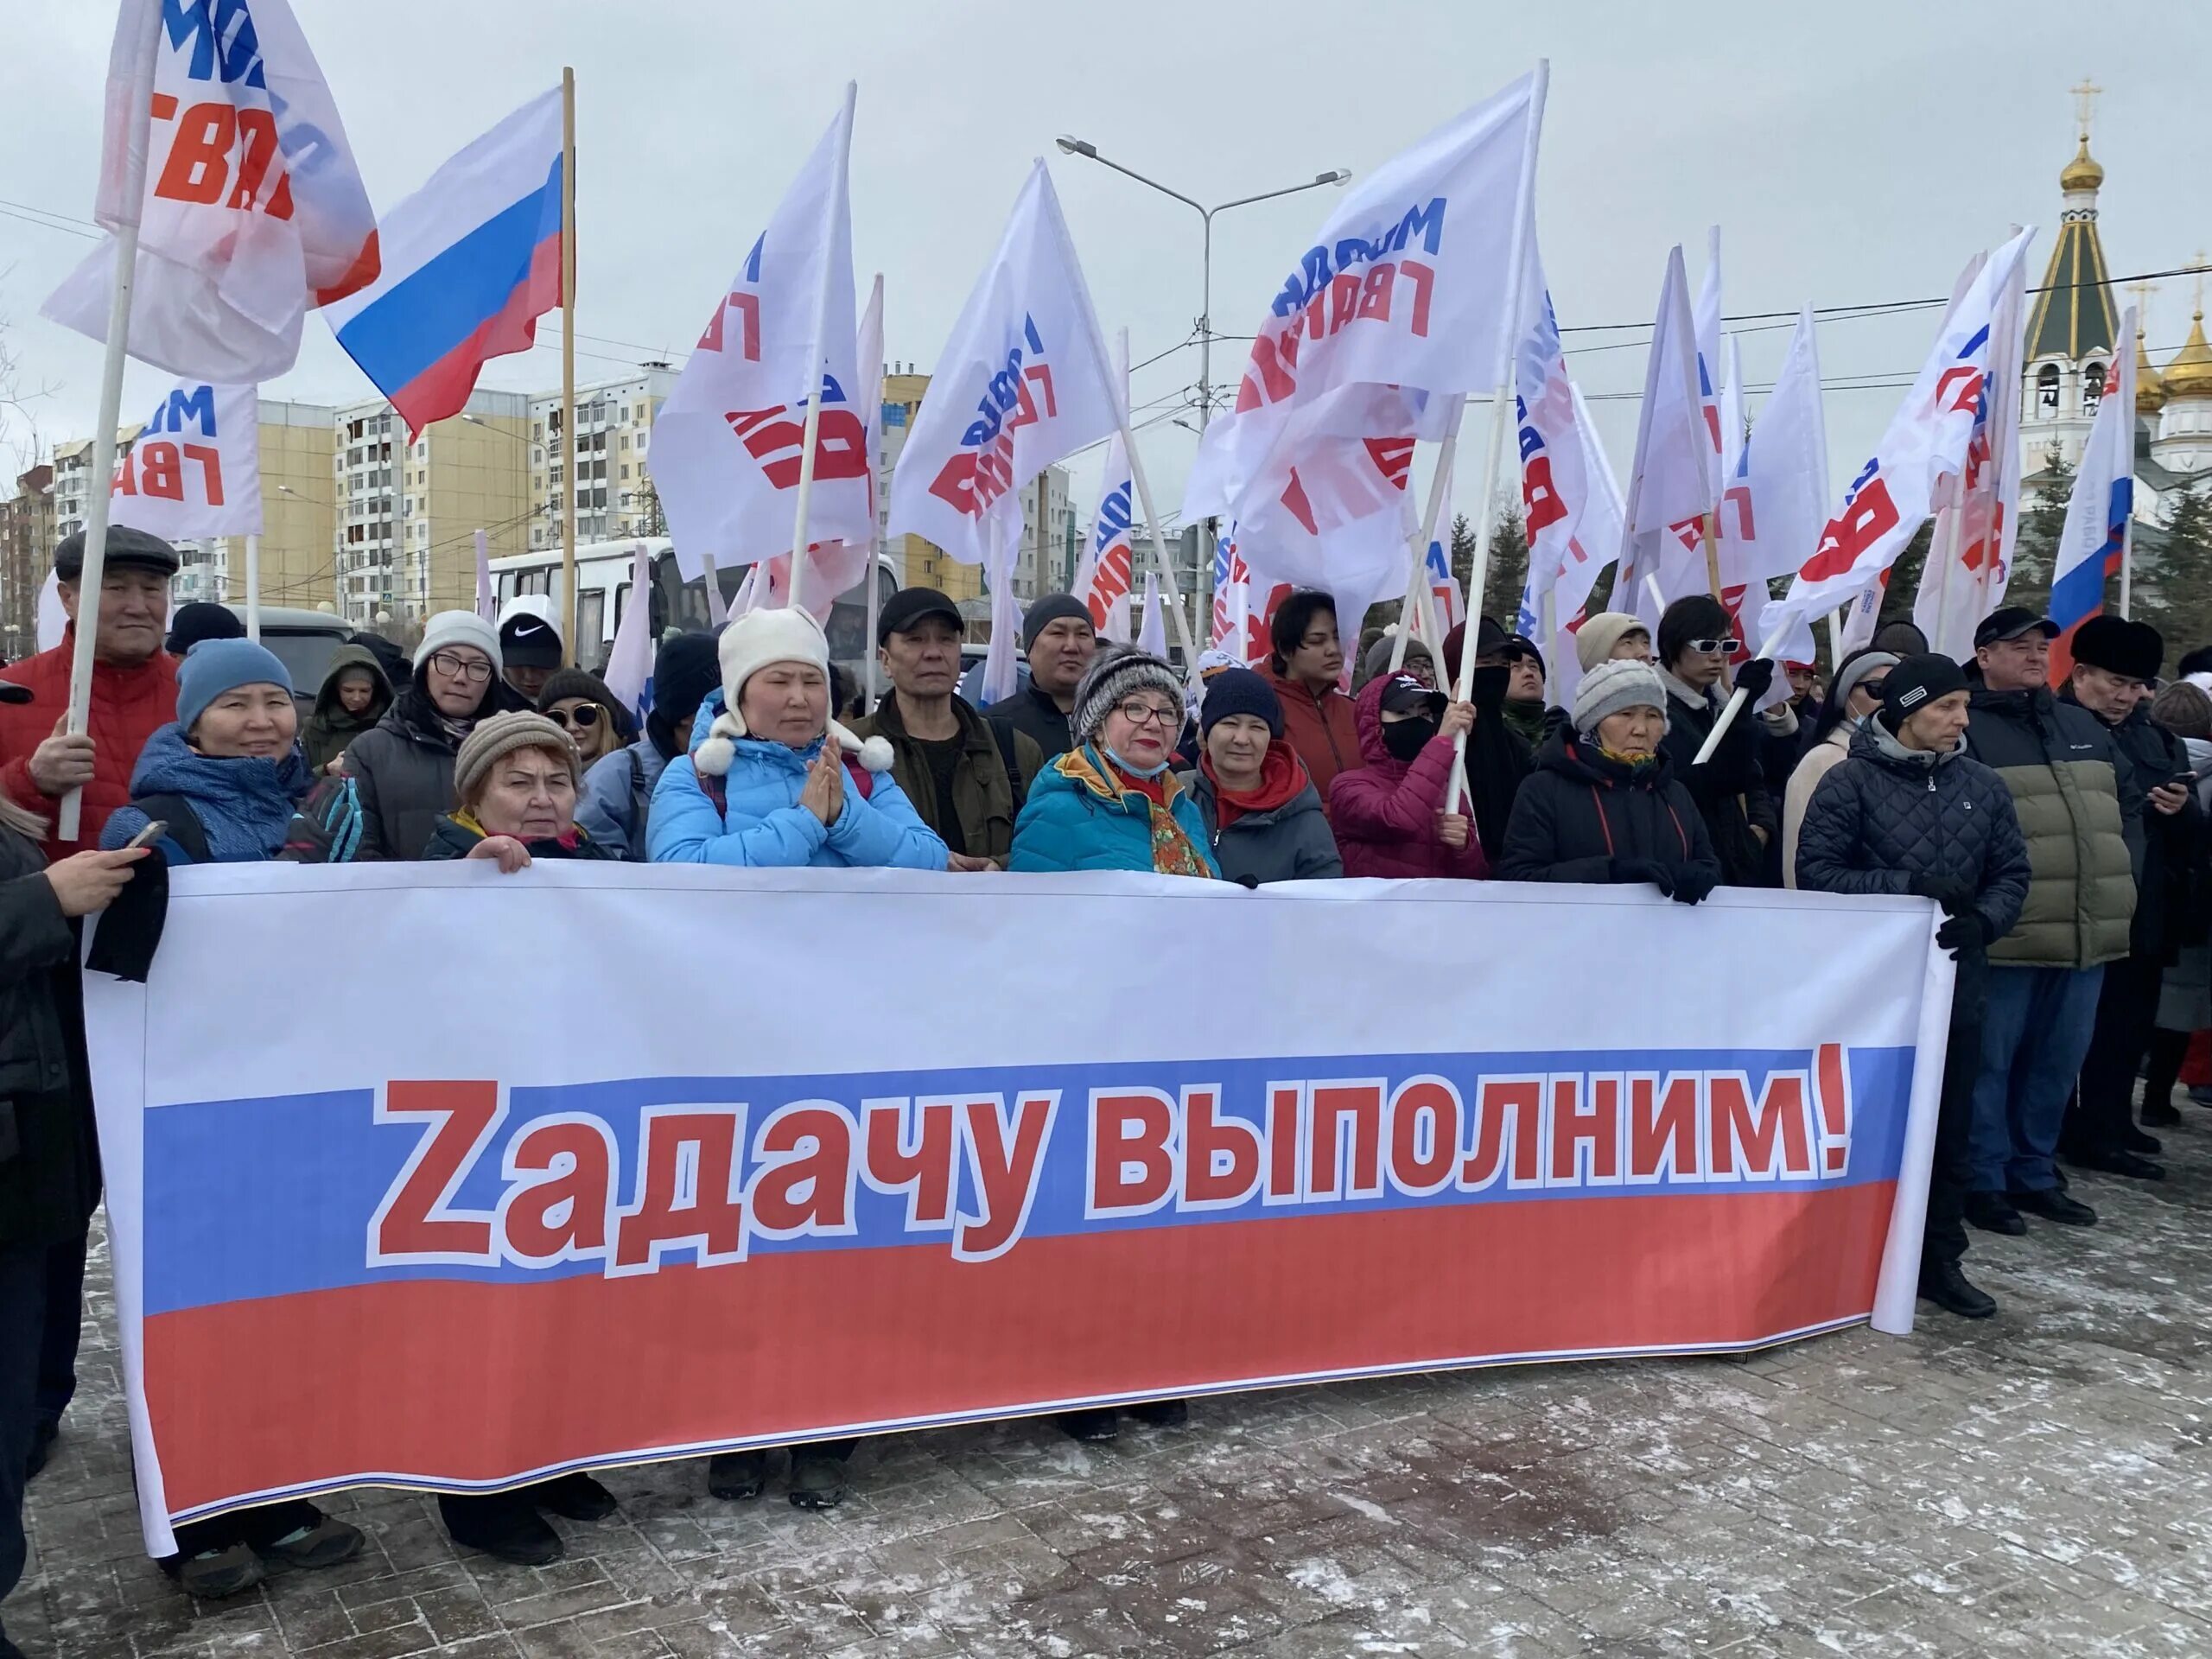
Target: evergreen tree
x,y
1904,576
2041,526
2176,599
1463,550
1508,567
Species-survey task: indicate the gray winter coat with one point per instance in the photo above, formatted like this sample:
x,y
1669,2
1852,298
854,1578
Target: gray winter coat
x,y
617,795
1888,814
403,769
1291,842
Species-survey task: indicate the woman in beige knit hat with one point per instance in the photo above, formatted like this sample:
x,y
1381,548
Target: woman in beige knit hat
x,y
517,776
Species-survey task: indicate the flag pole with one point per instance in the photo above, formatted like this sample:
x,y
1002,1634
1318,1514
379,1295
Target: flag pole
x,y
875,520
569,365
838,206
253,588
1439,485
717,608
1945,552
89,578
1509,331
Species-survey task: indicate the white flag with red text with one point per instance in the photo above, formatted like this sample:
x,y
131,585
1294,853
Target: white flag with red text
x,y
1403,294
252,210
1926,441
729,441
195,469
1777,503
1670,483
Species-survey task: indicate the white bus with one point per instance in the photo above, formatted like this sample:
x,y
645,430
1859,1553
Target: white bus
x,y
603,573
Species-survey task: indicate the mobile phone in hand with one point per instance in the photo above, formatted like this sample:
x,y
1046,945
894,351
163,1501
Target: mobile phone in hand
x,y
146,838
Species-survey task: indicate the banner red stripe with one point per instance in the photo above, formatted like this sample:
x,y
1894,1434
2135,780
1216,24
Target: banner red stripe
x,y
462,1381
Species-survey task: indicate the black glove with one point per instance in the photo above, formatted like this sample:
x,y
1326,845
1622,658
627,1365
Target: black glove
x,y
1753,677
1956,896
1694,886
1961,931
1249,883
1491,685
1629,871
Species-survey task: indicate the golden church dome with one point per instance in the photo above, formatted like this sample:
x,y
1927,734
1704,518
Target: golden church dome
x,y
2083,173
2189,374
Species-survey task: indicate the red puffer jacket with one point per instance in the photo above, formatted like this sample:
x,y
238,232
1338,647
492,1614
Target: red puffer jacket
x,y
129,706
1384,814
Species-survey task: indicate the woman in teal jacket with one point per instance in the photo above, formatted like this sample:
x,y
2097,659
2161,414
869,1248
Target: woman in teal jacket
x,y
768,783
1112,803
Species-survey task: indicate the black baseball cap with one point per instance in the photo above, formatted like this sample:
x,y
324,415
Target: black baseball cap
x,y
2009,622
1404,694
909,605
135,549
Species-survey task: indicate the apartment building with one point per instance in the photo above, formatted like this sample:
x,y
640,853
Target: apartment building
x,y
613,494
294,445
27,538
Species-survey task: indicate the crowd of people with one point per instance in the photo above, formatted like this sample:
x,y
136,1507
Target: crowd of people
x,y
2062,834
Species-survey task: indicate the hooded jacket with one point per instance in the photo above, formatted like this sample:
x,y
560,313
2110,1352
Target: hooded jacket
x,y
986,798
242,807
330,728
2078,815
1730,789
760,823
403,771
1579,813
1384,813
1078,817
49,1187
616,802
129,705
1890,813
1320,729
1282,837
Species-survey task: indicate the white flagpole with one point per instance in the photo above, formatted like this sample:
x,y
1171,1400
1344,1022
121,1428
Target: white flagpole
x,y
253,588
89,578
717,609
839,204
485,606
1509,333
1439,487
874,373
569,365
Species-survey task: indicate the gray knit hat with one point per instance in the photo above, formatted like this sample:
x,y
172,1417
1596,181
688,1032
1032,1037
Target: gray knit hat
x,y
502,734
1615,684
1114,674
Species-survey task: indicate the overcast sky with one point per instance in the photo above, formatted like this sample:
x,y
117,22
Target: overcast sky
x,y
1850,153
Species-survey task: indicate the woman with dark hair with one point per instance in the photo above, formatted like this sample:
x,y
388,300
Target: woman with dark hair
x,y
1305,666
402,770
1856,694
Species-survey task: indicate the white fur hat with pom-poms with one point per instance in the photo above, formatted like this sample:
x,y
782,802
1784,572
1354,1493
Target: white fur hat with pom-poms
x,y
748,645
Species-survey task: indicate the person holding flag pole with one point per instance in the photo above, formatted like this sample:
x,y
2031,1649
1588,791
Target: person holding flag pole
x,y
1417,582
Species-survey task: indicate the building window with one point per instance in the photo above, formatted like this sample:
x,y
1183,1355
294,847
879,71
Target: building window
x,y
625,470
2047,390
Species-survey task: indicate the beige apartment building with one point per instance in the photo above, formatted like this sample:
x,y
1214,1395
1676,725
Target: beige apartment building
x,y
613,494
293,444
27,539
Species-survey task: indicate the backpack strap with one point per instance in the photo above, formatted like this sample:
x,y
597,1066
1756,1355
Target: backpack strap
x,y
184,826
1004,733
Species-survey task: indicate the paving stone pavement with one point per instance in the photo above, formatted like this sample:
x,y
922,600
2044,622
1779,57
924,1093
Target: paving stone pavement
x,y
2039,1484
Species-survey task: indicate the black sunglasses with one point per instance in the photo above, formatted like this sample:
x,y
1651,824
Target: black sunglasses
x,y
583,716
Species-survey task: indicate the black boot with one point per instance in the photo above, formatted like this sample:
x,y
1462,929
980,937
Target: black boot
x,y
734,1476
1099,1424
2112,1161
1944,1284
574,1498
2161,1114
1162,1414
1993,1213
2145,1145
504,1526
2052,1205
817,1481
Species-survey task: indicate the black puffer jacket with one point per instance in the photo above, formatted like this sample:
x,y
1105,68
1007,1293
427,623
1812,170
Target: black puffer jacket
x,y
2082,819
1730,789
1888,814
1579,814
50,1179
2171,844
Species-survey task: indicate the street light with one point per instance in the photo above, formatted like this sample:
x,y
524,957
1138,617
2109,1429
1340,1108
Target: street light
x,y
1335,176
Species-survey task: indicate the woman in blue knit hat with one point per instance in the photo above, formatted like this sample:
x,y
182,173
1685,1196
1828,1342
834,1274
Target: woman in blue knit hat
x,y
223,777
1262,813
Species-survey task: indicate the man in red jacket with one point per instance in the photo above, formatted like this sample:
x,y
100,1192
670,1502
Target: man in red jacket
x,y
134,689
134,694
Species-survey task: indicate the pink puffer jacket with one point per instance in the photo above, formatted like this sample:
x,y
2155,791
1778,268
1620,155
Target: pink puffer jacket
x,y
1384,813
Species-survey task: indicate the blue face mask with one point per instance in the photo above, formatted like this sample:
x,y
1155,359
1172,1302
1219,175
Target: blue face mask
x,y
1145,772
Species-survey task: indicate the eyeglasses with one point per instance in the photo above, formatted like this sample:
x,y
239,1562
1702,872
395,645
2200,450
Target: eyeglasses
x,y
1145,714
1730,647
583,716
474,669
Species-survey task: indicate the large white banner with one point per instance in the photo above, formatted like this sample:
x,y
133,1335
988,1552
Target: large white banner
x,y
195,469
783,1213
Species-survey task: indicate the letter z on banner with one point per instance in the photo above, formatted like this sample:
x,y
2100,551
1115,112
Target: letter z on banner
x,y
356,1230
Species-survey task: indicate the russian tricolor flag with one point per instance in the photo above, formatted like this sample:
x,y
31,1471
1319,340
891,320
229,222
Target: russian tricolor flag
x,y
471,261
2095,540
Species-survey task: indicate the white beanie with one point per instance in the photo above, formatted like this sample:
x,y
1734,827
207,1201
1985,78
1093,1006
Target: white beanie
x,y
748,645
1615,684
458,629
1595,640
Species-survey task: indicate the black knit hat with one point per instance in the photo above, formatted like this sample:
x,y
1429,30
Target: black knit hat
x,y
1239,691
1048,610
1694,616
201,620
1914,683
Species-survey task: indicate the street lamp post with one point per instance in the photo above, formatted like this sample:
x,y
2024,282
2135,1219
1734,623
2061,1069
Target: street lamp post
x,y
1335,176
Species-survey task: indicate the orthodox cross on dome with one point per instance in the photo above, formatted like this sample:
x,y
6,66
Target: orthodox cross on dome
x,y
2085,104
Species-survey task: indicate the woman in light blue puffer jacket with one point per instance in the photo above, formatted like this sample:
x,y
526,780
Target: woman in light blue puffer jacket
x,y
771,780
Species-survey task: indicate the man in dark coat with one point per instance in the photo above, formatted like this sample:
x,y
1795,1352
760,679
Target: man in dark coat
x,y
1730,789
1059,641
2079,816
1907,811
2115,662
